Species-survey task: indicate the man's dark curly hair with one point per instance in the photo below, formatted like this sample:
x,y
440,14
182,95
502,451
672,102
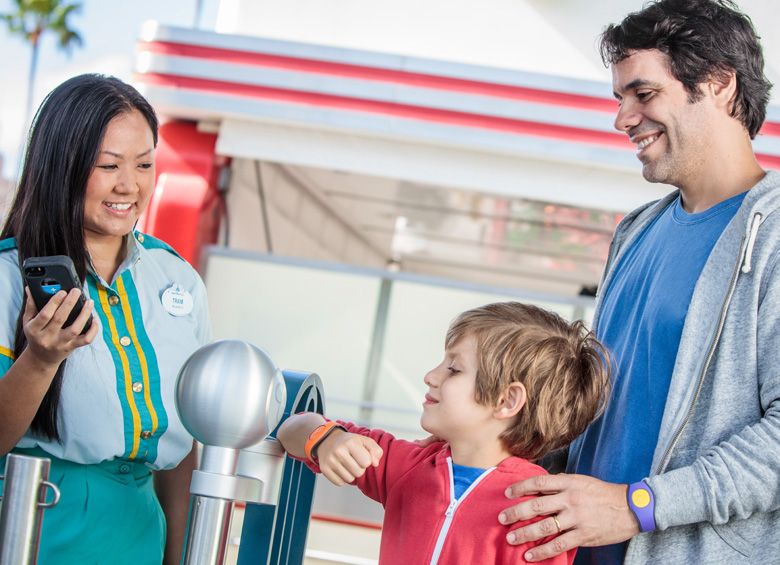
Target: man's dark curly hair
x,y
704,39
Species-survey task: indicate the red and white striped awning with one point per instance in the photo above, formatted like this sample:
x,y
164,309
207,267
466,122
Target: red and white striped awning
x,y
372,113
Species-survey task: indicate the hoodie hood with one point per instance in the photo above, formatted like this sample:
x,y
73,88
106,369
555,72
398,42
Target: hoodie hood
x,y
762,200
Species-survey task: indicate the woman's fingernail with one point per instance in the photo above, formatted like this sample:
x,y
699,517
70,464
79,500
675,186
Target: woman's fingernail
x,y
510,537
502,518
529,556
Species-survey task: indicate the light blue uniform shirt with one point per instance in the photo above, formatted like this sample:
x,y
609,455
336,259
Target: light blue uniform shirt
x,y
117,398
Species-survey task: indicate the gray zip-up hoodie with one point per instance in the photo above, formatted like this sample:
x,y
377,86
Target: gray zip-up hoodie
x,y
716,467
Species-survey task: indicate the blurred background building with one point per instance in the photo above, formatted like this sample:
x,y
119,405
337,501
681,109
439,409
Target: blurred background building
x,y
349,175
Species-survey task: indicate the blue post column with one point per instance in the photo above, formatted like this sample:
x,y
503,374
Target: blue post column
x,y
276,535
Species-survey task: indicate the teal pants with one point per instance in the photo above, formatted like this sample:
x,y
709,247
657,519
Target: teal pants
x,y
107,514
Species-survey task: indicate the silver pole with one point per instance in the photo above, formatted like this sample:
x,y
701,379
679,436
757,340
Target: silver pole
x,y
21,514
209,528
229,396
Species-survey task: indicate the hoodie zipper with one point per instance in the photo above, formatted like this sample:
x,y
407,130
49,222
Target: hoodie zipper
x,y
449,513
743,265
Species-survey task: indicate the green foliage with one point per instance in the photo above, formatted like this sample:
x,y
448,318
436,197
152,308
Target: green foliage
x,y
32,18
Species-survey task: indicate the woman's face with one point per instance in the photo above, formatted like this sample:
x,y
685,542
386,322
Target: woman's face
x,y
122,181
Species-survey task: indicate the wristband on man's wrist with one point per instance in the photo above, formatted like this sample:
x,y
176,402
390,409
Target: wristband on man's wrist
x,y
317,436
641,501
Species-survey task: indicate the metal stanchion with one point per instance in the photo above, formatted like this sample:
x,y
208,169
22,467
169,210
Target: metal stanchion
x,y
275,528
21,513
229,396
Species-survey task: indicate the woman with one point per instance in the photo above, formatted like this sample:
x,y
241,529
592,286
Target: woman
x,y
99,405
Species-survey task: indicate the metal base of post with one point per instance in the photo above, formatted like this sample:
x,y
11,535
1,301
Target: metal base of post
x,y
21,513
209,529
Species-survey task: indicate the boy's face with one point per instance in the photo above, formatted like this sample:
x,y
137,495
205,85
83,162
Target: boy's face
x,y
450,409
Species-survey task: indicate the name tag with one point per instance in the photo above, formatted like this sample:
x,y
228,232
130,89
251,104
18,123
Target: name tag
x,y
177,301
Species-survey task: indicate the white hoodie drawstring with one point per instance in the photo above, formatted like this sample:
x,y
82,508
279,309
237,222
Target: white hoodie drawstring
x,y
746,264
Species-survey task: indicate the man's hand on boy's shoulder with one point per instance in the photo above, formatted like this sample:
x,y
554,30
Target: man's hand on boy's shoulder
x,y
587,512
344,457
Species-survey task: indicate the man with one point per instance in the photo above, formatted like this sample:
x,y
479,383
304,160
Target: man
x,y
684,465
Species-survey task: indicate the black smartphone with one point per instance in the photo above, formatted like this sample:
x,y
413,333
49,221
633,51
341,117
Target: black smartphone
x,y
46,276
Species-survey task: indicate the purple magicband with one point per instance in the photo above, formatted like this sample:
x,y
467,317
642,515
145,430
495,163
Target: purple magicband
x,y
641,501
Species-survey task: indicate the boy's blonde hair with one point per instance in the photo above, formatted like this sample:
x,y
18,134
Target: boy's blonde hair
x,y
563,367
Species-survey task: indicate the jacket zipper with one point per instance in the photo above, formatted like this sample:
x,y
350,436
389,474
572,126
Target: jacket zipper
x,y
449,513
743,265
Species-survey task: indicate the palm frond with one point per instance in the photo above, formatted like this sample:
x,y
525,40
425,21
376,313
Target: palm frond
x,y
68,39
32,18
15,25
59,17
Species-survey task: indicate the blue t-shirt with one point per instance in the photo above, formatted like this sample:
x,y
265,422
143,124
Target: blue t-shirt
x,y
463,476
641,323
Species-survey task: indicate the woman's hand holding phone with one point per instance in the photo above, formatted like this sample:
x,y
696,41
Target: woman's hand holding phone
x,y
47,340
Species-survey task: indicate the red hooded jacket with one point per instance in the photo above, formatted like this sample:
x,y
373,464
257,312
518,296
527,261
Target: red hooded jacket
x,y
414,485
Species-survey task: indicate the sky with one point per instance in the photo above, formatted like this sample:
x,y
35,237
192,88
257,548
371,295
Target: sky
x,y
109,29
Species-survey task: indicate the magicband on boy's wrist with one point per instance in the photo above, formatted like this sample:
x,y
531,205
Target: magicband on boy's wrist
x,y
317,436
641,501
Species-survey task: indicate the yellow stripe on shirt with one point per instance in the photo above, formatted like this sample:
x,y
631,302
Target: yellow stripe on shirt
x,y
125,369
7,352
125,301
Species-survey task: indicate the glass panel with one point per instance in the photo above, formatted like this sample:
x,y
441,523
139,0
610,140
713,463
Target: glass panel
x,y
306,318
417,323
312,318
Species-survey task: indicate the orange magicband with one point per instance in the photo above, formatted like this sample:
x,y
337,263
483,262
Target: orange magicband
x,y
317,436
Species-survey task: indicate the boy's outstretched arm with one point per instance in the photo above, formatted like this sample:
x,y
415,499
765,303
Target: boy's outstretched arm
x,y
296,429
342,457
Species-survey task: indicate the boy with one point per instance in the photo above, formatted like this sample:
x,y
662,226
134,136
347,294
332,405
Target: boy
x,y
516,383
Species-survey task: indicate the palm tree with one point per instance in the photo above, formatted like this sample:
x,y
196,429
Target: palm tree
x,y
31,19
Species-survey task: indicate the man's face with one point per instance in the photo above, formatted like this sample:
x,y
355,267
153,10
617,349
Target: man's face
x,y
672,135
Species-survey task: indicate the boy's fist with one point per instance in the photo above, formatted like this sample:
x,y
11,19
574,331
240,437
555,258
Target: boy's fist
x,y
343,457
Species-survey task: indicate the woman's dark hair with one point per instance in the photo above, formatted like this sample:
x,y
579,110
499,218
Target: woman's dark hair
x,y
704,39
47,214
